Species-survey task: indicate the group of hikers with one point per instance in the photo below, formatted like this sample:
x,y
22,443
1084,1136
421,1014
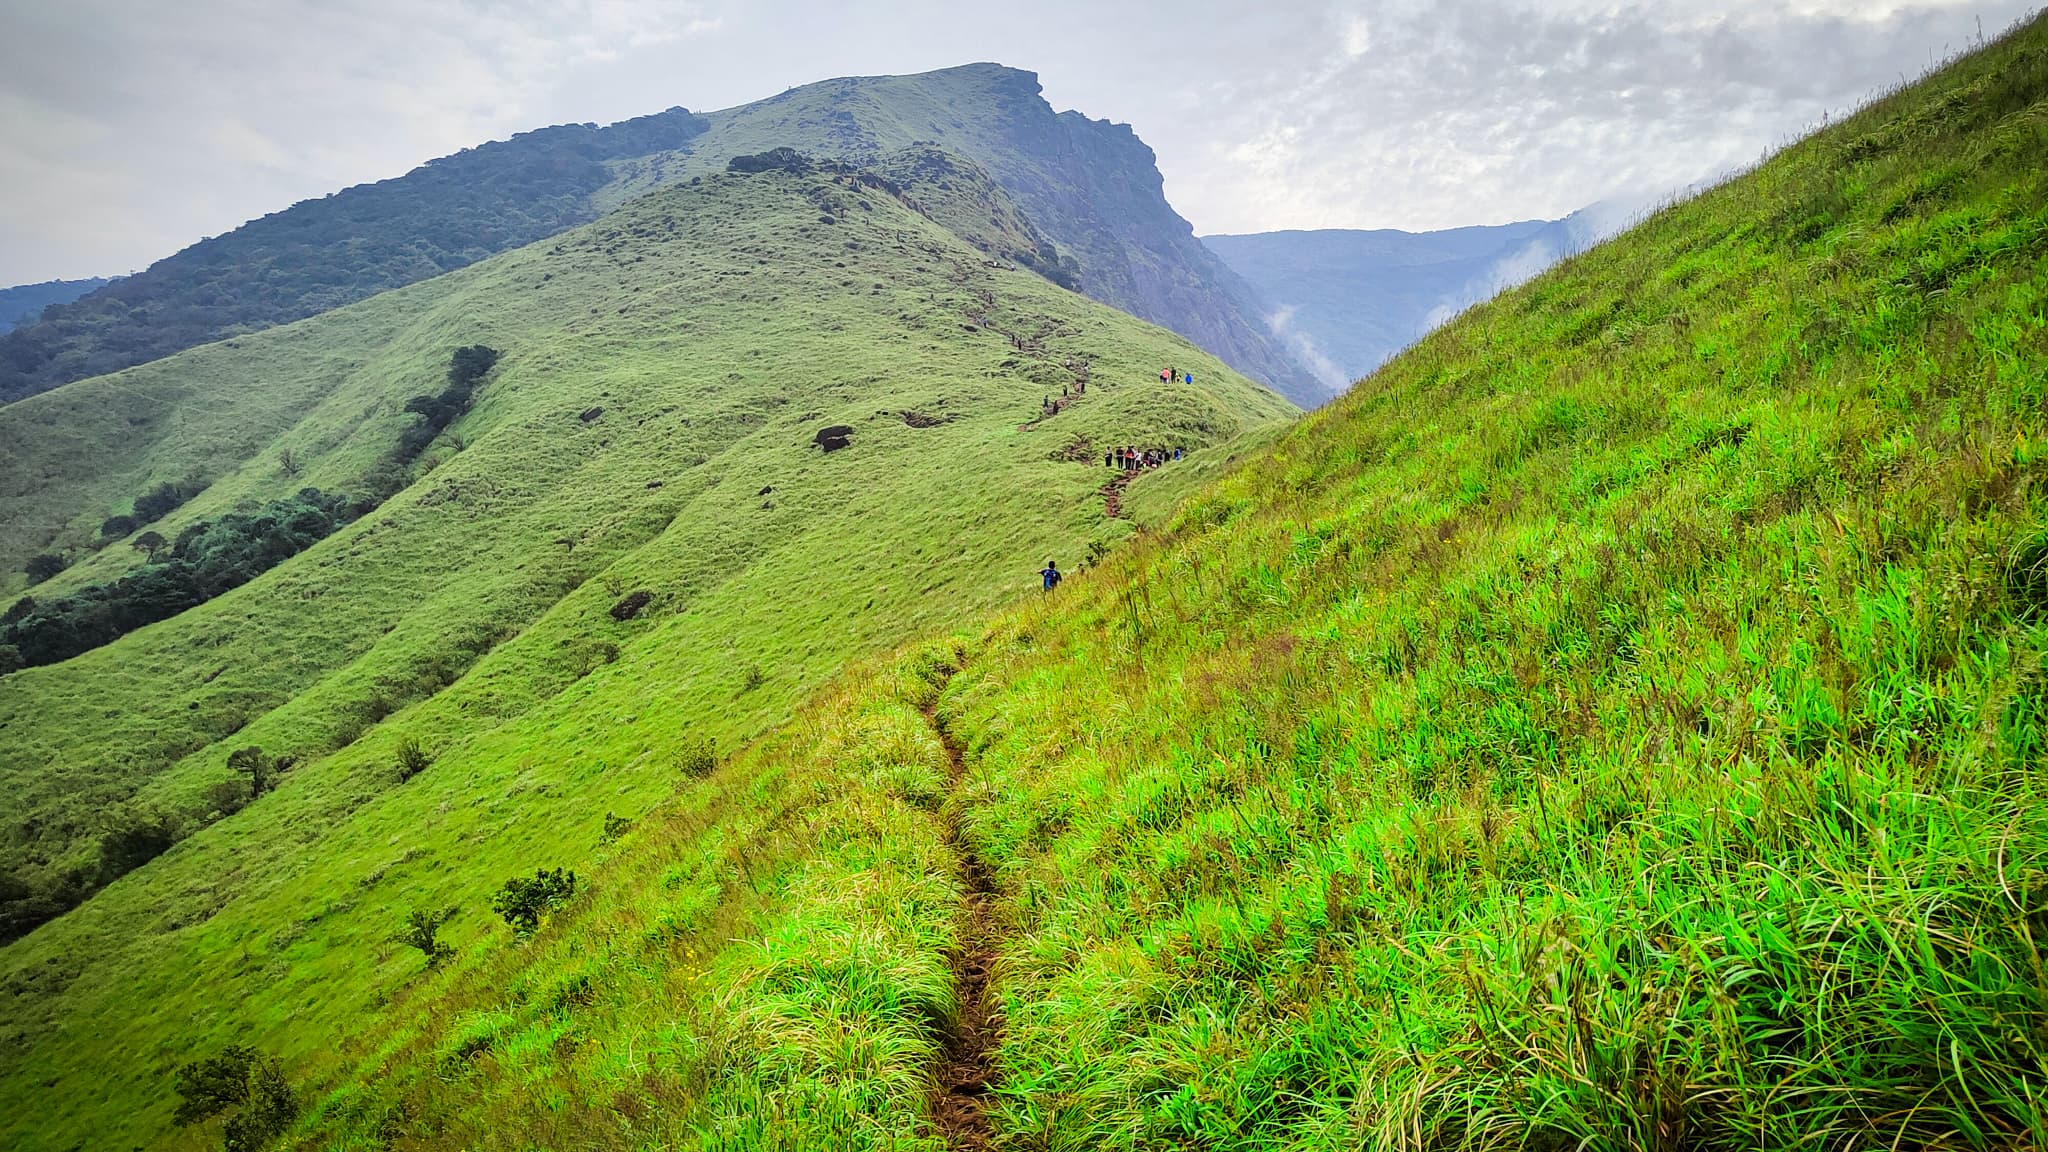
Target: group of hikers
x,y
1053,407
1128,459
1136,459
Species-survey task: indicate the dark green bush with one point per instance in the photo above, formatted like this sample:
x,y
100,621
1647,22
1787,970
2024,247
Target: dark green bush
x,y
773,160
698,758
207,559
522,902
42,567
131,843
423,931
412,759
261,769
245,1085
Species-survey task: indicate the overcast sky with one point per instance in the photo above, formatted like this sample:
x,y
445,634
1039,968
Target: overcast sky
x,y
130,128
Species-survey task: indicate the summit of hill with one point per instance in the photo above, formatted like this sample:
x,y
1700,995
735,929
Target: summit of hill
x,y
1090,186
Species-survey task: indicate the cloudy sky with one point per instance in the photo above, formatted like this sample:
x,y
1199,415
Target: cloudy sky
x,y
130,128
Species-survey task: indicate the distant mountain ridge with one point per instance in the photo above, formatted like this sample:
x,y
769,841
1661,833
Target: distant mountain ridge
x,y
1090,186
24,302
1347,300
321,254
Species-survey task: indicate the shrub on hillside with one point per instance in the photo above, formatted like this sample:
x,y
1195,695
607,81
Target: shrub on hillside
x,y
522,902
165,499
41,567
131,843
261,769
630,607
698,758
245,1085
773,160
412,759
115,527
466,369
423,931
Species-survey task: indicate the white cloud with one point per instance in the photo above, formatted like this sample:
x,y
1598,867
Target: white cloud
x,y
129,128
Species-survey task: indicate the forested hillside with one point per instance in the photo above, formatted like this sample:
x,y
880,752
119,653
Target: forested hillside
x,y
322,254
1618,723
741,431
23,303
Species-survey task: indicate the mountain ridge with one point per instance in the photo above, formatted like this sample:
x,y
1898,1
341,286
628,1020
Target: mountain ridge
x,y
22,303
448,212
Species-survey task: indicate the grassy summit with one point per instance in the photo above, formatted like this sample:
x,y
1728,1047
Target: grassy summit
x,y
1618,723
650,428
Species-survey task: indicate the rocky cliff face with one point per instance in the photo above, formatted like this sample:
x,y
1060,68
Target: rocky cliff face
x,y
1093,187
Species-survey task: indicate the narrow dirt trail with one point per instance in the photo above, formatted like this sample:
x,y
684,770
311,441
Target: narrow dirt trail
x,y
967,1068
1113,495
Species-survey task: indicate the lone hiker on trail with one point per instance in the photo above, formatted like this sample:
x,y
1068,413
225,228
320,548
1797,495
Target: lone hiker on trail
x,y
1051,574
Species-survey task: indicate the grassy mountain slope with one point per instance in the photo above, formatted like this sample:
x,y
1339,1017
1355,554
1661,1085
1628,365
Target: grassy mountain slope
x,y
1618,723
717,326
1089,185
322,254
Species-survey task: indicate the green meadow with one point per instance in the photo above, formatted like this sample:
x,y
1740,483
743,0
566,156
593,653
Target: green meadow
x,y
649,429
1618,723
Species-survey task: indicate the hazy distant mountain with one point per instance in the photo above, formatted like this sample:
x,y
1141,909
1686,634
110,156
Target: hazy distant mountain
x,y
25,302
1347,300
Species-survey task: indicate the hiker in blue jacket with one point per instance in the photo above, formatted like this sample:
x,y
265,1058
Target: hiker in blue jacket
x,y
1051,574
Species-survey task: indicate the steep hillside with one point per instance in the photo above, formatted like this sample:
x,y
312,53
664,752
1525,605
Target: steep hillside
x,y
322,254
1090,186
24,302
651,428
1616,724
1347,301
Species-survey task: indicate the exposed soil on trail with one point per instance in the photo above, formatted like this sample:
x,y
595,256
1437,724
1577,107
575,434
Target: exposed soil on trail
x,y
1113,495
967,1068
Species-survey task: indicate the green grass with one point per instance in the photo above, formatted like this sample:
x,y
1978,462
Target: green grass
x,y
1618,723
717,328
